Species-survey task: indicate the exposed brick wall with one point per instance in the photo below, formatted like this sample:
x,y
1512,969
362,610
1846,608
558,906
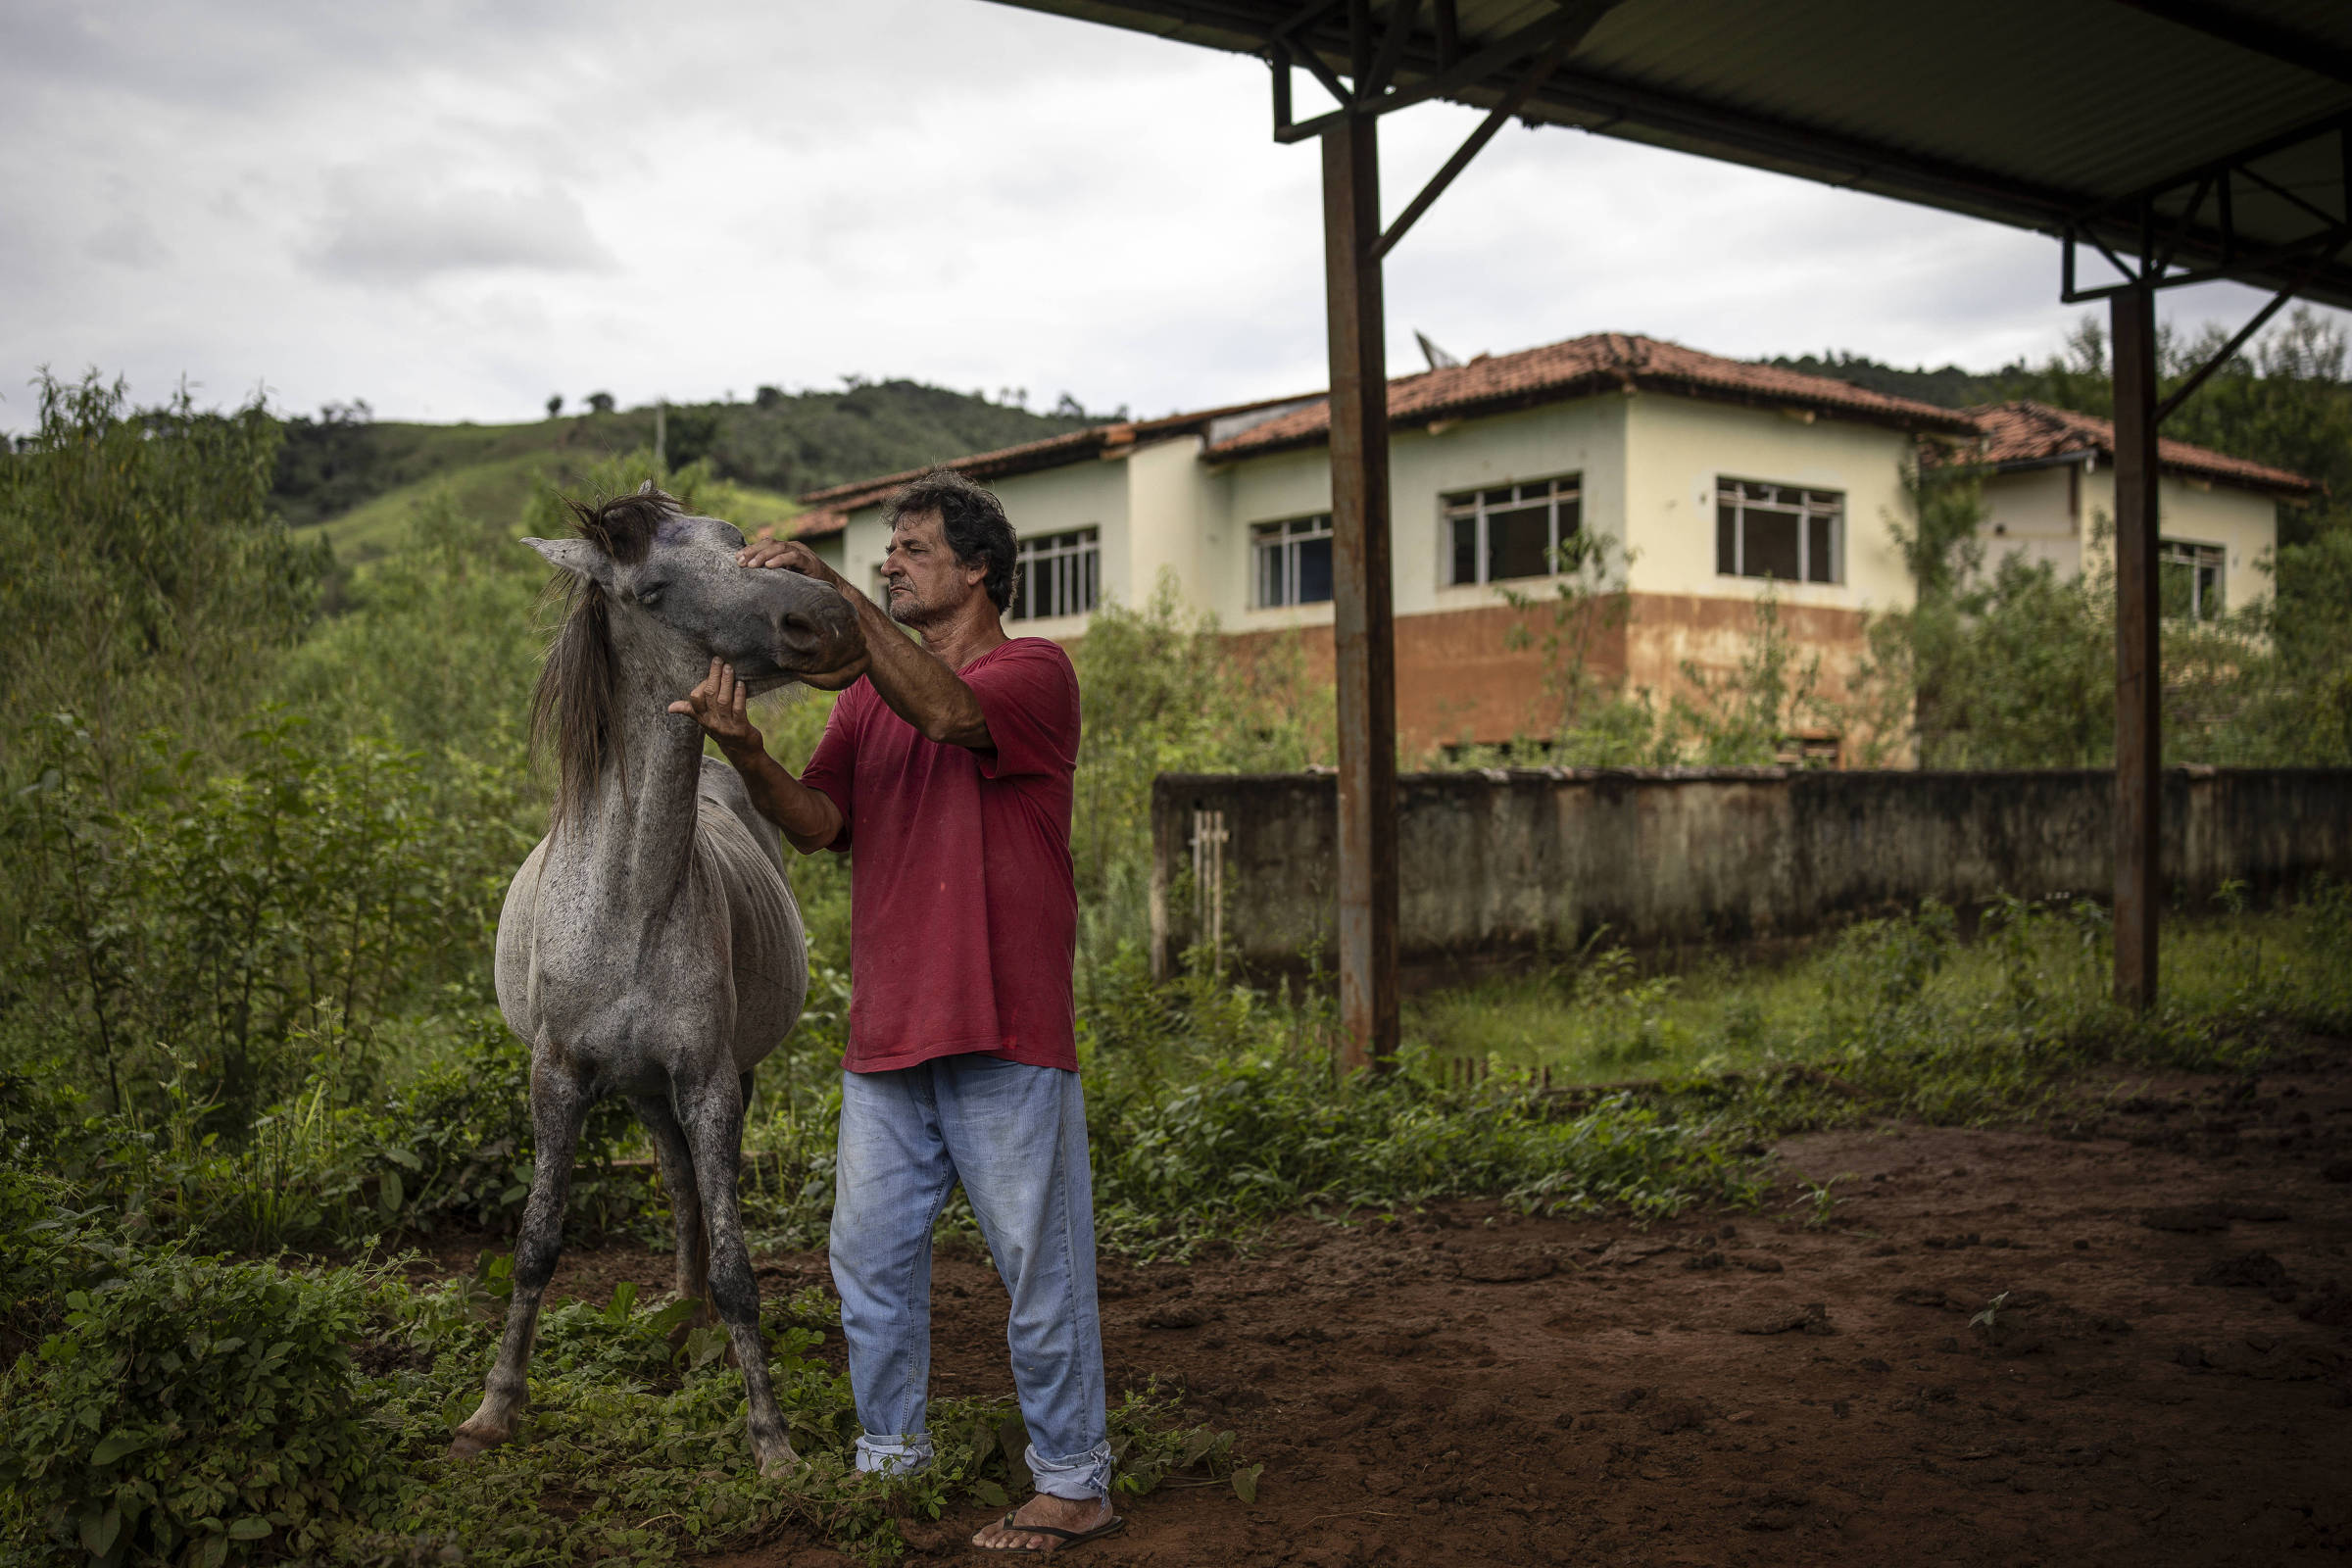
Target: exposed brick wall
x,y
1459,678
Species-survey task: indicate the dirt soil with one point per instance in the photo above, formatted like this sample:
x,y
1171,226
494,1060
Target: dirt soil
x,y
2167,1377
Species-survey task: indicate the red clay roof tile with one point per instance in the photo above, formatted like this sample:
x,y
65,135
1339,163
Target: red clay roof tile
x,y
1602,362
2021,433
817,523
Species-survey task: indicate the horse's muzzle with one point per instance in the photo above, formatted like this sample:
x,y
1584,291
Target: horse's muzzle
x,y
819,634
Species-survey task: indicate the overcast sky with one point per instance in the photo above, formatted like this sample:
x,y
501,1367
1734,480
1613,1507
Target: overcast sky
x,y
454,210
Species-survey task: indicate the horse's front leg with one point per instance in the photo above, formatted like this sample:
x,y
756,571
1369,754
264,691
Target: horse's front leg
x,y
559,1104
714,1115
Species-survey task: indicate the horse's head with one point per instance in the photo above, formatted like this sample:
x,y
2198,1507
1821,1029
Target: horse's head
x,y
665,575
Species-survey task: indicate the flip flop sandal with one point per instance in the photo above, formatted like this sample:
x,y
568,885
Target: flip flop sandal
x,y
1068,1537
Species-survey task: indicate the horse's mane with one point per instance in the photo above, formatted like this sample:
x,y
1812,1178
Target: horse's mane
x,y
574,710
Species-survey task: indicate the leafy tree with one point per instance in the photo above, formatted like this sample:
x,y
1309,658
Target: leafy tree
x,y
599,403
554,404
1753,714
2015,668
1165,692
693,431
1589,719
147,580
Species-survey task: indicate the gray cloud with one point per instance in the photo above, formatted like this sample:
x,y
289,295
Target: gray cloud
x,y
129,242
456,207
391,227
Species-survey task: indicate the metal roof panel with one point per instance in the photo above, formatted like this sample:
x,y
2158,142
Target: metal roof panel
x,y
2027,112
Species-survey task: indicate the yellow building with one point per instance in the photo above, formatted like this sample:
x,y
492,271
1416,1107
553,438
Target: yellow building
x,y
2050,496
1713,482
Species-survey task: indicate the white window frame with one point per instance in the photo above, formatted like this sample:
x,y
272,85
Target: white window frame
x,y
1279,539
1771,497
1069,562
2191,554
1558,489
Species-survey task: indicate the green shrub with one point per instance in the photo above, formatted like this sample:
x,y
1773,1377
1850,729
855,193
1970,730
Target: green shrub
x,y
224,931
187,1409
461,1129
1212,1107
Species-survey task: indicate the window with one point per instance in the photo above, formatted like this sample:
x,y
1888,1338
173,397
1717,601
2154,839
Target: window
x,y
1780,531
2189,579
1512,531
1057,574
1293,561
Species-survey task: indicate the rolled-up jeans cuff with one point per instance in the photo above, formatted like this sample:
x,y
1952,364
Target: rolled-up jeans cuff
x,y
1086,1475
903,1455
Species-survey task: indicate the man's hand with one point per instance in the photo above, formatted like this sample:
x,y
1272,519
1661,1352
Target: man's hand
x,y
792,556
721,704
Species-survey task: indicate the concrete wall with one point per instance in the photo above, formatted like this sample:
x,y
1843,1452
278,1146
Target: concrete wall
x,y
1499,865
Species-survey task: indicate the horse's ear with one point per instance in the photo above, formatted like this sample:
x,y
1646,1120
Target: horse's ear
x,y
578,557
646,489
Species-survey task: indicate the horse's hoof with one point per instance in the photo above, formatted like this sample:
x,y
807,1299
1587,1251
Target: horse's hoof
x,y
470,1445
777,1466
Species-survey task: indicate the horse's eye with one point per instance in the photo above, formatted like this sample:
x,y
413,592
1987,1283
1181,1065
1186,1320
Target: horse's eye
x,y
650,596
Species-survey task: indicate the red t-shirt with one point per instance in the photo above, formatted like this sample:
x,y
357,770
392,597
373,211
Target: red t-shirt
x,y
963,914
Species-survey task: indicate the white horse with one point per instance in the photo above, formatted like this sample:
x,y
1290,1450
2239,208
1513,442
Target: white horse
x,y
649,946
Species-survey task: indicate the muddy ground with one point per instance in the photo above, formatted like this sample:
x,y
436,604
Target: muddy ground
x,y
2168,1379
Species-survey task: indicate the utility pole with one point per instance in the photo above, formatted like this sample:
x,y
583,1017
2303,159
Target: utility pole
x,y
662,437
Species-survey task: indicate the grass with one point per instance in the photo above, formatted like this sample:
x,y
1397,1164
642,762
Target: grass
x,y
1599,1019
195,1411
1212,1111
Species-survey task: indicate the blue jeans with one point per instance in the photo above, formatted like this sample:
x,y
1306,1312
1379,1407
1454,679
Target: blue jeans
x,y
1015,1135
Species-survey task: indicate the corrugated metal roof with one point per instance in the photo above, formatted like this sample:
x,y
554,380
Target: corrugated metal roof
x,y
2026,112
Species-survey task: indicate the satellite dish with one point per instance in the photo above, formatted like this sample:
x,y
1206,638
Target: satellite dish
x,y
1439,358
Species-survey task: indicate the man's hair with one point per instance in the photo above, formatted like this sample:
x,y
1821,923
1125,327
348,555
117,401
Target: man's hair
x,y
972,518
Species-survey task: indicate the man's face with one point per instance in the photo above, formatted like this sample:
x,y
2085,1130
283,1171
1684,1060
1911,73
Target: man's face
x,y
920,576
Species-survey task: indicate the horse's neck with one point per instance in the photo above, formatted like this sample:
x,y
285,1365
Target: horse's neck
x,y
641,819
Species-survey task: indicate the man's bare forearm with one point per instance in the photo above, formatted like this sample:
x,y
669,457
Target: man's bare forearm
x,y
808,817
918,687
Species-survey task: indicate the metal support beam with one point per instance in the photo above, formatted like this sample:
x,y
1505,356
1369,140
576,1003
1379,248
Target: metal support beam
x,y
2139,670
1502,56
2160,236
1362,623
1496,118
2220,357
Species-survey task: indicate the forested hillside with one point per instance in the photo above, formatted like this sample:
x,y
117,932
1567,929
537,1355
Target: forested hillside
x,y
780,441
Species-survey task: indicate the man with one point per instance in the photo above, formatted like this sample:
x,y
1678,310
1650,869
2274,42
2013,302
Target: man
x,y
949,768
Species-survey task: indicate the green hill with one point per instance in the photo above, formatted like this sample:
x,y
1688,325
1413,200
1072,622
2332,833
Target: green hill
x,y
364,474
1950,387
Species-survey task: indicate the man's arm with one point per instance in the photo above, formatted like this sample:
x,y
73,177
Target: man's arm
x,y
720,704
918,687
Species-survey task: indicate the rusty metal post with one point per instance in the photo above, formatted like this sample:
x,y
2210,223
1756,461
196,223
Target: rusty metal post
x,y
1362,623
2139,670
